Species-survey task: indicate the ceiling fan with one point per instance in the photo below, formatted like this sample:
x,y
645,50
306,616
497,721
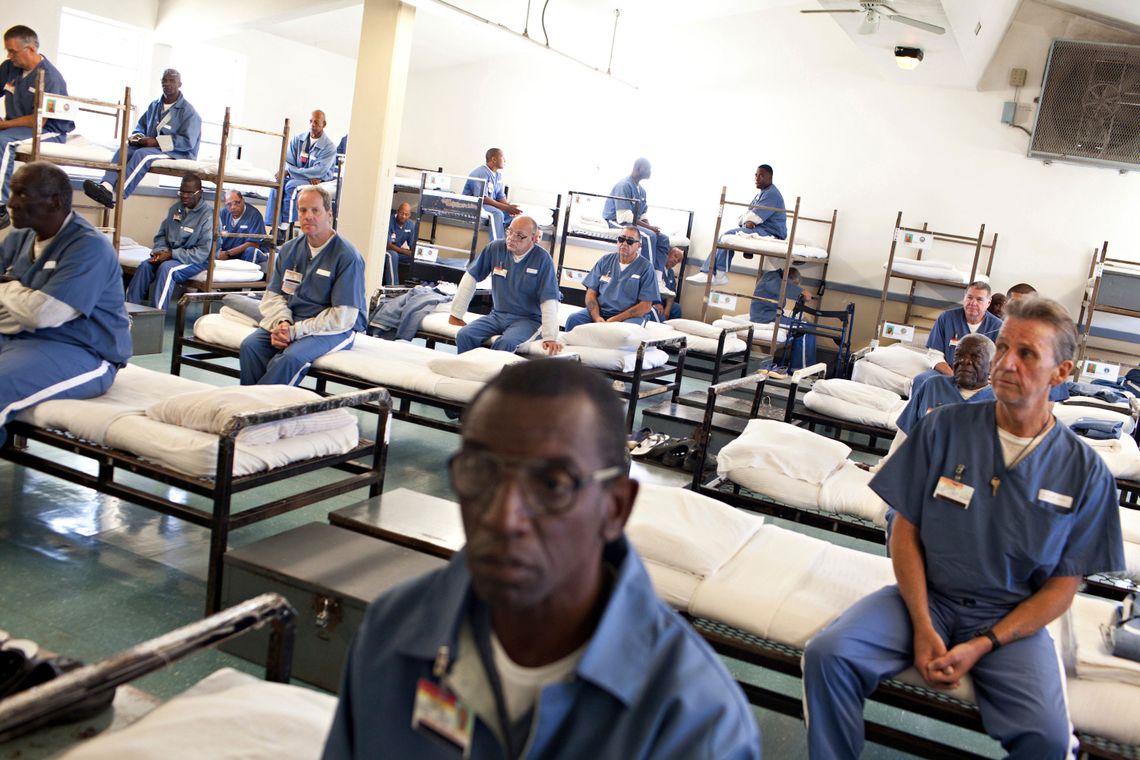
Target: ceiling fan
x,y
874,10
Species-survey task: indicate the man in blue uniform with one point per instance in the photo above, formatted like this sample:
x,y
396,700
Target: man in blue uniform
x,y
669,308
18,76
314,304
622,286
954,324
181,247
524,293
170,128
1000,511
543,637
310,160
765,217
628,205
241,219
63,326
766,295
494,195
401,244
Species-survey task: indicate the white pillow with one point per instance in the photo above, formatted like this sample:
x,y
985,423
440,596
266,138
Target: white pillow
x,y
898,358
607,335
793,451
480,364
858,393
237,265
693,327
209,411
236,316
847,492
246,720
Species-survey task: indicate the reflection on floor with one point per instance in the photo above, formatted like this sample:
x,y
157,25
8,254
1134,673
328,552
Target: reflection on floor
x,y
88,575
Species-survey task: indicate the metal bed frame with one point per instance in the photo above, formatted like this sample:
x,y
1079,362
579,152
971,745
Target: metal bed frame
x,y
219,517
796,413
469,215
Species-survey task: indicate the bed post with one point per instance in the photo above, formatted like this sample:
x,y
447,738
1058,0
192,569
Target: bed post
x,y
978,253
712,266
124,130
219,193
383,435
887,277
220,519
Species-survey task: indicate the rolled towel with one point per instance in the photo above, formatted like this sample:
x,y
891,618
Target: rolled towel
x,y
1097,430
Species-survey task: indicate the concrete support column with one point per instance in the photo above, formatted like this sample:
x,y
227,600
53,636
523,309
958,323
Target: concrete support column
x,y
374,129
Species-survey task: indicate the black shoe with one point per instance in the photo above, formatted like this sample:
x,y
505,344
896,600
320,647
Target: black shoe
x,y
5,220
96,192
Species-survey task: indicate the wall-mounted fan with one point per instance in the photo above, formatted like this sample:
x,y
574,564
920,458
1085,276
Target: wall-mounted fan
x,y
873,10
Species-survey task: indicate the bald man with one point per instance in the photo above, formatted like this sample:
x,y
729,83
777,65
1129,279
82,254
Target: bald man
x,y
401,244
627,204
311,160
240,218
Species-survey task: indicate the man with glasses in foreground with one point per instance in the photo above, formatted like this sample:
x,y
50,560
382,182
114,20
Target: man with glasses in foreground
x,y
181,247
543,637
622,286
524,293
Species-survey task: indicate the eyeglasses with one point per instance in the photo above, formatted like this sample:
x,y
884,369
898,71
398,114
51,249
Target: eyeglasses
x,y
628,241
550,485
517,235
189,192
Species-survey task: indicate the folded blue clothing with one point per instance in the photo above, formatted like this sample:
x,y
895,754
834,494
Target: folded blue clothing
x,y
1097,430
1097,390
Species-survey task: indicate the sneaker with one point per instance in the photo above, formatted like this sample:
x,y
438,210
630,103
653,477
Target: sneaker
x,y
98,193
5,220
700,278
720,278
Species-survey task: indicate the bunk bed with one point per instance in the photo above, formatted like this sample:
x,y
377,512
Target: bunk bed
x,y
936,274
1111,289
440,201
79,152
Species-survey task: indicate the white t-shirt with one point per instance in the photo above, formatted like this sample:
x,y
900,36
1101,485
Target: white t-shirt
x,y
522,685
1012,445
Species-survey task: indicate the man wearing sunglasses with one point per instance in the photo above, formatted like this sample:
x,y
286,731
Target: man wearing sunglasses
x,y
622,286
181,247
543,637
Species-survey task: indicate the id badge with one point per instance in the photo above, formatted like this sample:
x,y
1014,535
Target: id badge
x,y
304,157
290,282
499,271
954,342
954,492
177,216
605,278
441,712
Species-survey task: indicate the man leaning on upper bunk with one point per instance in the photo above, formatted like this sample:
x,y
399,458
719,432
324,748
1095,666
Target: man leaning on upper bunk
x,y
63,326
170,128
628,204
1000,512
314,304
18,76
765,216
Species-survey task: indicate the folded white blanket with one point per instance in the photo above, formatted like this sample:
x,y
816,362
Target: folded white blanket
x,y
919,269
237,316
607,335
846,492
1130,525
775,485
480,364
857,413
1120,454
900,358
787,449
612,359
872,374
695,327
858,393
698,343
211,410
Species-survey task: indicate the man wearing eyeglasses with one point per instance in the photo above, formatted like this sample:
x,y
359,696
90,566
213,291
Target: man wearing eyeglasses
x,y
241,218
181,247
622,286
18,103
524,293
543,637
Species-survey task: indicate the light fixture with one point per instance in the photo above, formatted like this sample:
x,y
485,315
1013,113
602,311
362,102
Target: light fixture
x,y
908,58
869,24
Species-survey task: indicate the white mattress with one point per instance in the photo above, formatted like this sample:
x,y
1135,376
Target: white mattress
x,y
436,322
118,420
236,169
700,343
752,242
930,270
609,359
131,254
1120,454
77,148
874,375
600,228
852,412
846,492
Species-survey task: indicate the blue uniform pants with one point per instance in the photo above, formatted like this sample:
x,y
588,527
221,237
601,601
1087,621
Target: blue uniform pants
x,y
288,200
1019,687
723,258
263,364
34,370
512,330
582,317
10,139
497,223
163,276
138,164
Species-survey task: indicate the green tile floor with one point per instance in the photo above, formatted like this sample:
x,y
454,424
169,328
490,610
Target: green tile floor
x,y
89,575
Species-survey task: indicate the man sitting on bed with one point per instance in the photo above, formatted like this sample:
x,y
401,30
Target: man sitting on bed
x,y
241,218
401,245
668,307
543,637
314,304
310,161
63,326
1000,511
622,286
954,324
181,247
765,217
494,195
524,293
170,128
17,114
629,206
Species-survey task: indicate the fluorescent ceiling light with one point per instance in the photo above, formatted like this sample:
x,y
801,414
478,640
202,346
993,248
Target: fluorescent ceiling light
x,y
908,58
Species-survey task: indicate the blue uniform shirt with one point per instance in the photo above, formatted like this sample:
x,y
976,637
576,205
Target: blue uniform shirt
x,y
335,277
768,221
402,235
494,183
951,327
186,233
769,287
517,289
634,202
311,159
181,123
342,146
935,392
1054,514
250,222
647,685
20,92
617,289
79,268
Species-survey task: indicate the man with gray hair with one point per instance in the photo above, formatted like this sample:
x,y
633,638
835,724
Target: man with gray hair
x,y
954,324
170,128
18,76
999,513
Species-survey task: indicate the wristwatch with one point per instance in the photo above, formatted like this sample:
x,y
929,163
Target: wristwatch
x,y
989,634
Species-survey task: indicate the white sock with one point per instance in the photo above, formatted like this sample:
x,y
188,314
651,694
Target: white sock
x,y
107,185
